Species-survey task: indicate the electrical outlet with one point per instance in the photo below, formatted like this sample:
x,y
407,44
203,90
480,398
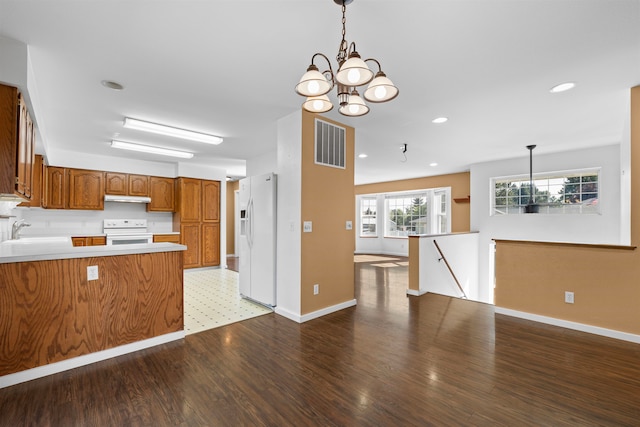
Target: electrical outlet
x,y
568,297
92,272
308,227
316,289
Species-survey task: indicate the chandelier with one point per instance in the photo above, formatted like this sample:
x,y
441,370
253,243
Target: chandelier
x,y
352,73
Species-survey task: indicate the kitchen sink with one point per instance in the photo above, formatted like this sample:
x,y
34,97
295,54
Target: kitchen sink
x,y
49,240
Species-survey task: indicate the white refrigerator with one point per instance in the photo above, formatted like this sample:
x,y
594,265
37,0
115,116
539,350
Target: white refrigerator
x,y
258,238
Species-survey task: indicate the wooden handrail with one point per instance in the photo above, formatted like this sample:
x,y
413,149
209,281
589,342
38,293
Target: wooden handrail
x,y
464,295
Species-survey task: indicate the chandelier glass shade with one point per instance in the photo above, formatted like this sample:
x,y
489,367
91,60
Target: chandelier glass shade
x,y
352,72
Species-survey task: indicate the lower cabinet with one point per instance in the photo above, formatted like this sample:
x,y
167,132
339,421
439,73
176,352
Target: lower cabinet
x,y
169,238
203,244
89,241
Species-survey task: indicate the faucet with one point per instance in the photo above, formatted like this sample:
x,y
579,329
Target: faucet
x,y
15,229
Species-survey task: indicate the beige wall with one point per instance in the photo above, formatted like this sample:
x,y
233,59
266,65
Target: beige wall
x,y
460,189
532,277
328,201
232,186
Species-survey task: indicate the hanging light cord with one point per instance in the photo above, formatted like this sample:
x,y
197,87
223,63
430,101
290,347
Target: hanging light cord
x,y
404,153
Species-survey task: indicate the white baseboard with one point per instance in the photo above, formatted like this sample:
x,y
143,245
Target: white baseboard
x,y
314,315
76,362
611,333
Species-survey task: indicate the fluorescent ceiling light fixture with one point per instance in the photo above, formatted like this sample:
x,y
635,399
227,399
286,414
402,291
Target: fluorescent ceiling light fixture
x,y
439,120
171,131
362,156
563,87
150,149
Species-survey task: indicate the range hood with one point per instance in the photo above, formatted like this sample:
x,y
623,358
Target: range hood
x,y
126,199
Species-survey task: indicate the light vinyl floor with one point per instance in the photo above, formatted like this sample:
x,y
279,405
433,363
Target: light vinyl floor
x,y
212,299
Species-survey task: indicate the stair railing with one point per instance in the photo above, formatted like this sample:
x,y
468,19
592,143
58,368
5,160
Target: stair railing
x,y
443,258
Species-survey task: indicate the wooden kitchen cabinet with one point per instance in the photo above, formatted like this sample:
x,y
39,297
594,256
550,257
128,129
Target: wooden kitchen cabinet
x,y
86,189
54,187
162,192
198,214
169,238
115,183
210,238
190,237
210,201
89,241
123,184
138,185
17,144
189,192
38,182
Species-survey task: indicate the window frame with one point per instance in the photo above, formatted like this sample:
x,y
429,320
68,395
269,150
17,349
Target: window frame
x,y
546,208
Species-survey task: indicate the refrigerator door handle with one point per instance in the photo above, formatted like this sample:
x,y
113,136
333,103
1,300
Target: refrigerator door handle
x,y
251,222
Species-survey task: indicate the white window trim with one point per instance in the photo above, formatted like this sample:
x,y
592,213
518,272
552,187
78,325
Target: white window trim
x,y
539,175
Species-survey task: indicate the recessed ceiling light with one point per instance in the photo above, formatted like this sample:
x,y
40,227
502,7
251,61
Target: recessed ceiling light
x,y
434,164
171,131
563,87
362,156
112,85
150,149
439,120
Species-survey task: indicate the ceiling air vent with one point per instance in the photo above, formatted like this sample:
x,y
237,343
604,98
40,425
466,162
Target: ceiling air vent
x,y
330,144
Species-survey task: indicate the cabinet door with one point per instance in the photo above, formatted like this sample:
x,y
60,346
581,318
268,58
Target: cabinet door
x,y
138,185
54,188
162,193
86,189
190,237
115,183
9,113
210,244
30,158
96,240
169,238
37,184
211,201
190,195
23,147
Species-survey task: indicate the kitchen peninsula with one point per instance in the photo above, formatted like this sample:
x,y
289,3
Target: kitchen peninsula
x,y
63,306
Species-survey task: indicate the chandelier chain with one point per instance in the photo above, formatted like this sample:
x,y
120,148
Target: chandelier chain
x,y
342,50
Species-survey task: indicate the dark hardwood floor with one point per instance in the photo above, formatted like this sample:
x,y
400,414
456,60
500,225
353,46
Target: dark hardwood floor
x,y
232,263
392,360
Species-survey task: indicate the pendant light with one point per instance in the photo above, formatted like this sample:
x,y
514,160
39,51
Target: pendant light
x,y
352,72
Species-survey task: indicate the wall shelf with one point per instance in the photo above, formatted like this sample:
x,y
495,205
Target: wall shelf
x,y
462,199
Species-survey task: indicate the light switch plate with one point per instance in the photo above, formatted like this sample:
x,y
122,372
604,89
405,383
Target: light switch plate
x,y
308,227
349,225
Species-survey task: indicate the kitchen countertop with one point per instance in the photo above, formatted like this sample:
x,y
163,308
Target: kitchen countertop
x,y
50,251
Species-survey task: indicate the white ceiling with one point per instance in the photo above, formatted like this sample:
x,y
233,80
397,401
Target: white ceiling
x,y
228,67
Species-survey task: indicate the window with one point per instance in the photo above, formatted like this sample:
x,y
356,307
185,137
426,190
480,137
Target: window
x,y
368,208
571,192
406,214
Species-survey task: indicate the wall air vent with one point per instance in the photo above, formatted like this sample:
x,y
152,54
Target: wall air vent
x,y
330,146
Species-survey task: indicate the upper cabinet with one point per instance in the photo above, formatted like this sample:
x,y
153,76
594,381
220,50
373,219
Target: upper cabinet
x,y
65,188
210,201
123,184
86,189
162,193
189,199
17,143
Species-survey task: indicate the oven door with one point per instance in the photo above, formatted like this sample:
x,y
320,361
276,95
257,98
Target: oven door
x,y
128,239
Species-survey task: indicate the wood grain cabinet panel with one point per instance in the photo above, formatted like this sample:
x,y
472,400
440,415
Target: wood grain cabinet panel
x,y
210,201
115,183
86,189
49,311
89,240
138,185
168,238
54,188
17,144
38,181
189,199
210,237
190,237
162,192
